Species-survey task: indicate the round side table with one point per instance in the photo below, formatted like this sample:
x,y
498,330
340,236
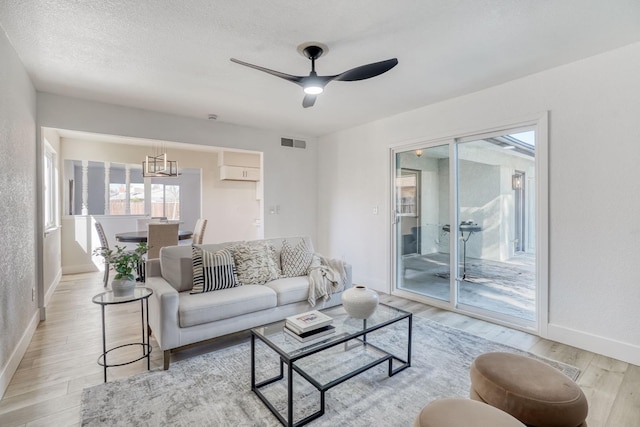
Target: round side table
x,y
107,298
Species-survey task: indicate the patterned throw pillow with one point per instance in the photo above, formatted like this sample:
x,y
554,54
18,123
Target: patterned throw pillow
x,y
295,261
255,263
276,259
212,271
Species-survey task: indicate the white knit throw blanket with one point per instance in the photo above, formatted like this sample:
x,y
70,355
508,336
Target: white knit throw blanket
x,y
326,276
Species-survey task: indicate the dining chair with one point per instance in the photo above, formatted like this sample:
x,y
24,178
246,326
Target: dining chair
x,y
104,244
142,223
161,235
198,232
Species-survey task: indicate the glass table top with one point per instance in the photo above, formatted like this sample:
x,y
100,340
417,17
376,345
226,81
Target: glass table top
x,y
346,327
108,297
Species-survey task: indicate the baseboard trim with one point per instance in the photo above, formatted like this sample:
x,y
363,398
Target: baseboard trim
x,y
54,285
16,357
81,268
605,346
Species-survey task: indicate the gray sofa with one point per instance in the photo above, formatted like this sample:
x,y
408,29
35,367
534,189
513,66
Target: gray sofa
x,y
178,318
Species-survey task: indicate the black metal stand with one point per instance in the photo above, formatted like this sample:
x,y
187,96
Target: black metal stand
x,y
470,228
464,253
144,315
322,388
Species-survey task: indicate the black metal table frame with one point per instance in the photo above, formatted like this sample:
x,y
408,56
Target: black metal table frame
x,y
145,344
469,228
290,362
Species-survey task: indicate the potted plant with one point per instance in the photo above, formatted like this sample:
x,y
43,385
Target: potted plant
x,y
124,262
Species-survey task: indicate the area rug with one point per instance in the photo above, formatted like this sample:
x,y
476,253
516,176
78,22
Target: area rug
x,y
214,389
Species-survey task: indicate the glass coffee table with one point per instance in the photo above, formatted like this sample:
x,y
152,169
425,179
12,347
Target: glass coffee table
x,y
356,346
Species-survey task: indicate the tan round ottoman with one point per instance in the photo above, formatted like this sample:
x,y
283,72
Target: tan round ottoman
x,y
452,412
530,390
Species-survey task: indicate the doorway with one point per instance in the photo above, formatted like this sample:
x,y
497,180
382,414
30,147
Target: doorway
x,y
408,191
423,271
468,242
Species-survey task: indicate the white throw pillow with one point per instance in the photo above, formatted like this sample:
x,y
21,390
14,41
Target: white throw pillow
x,y
295,261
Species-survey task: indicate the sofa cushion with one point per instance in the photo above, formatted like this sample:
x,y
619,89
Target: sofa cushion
x,y
197,309
177,266
255,262
295,260
290,289
213,271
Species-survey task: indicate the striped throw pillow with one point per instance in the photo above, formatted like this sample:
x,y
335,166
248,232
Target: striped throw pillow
x,y
212,271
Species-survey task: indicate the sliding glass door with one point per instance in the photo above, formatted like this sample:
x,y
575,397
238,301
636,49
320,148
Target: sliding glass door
x,y
422,206
496,270
464,226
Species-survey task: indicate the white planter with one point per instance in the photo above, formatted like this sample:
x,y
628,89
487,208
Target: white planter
x,y
122,288
360,302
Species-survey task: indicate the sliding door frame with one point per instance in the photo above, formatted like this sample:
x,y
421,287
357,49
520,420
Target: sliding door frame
x,y
536,122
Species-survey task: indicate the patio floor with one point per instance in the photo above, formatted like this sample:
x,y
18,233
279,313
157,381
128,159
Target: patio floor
x,y
506,287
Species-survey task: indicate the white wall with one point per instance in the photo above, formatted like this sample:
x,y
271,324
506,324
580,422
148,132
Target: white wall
x,y
594,198
289,173
230,207
18,211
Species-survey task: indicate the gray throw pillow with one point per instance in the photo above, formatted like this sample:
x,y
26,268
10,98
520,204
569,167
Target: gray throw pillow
x,y
295,261
255,263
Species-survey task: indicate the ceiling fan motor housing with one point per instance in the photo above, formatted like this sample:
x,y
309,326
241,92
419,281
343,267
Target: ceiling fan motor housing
x,y
313,52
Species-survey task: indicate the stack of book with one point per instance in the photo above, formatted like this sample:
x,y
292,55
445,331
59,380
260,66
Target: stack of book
x,y
308,326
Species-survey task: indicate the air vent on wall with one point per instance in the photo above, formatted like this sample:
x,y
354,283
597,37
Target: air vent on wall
x,y
290,142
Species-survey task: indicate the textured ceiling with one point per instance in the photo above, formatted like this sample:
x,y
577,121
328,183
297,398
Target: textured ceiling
x,y
173,56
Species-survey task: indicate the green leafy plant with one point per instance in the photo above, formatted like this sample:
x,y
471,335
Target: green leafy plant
x,y
123,261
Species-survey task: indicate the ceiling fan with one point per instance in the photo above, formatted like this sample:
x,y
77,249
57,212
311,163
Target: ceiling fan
x,y
313,84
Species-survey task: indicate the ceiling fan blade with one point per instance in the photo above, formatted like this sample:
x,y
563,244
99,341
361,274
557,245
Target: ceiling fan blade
x,y
289,77
309,100
367,71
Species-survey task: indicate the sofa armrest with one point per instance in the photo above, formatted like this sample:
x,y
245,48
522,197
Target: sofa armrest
x,y
153,268
163,313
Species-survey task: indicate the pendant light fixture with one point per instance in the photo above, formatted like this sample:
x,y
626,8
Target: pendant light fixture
x,y
159,165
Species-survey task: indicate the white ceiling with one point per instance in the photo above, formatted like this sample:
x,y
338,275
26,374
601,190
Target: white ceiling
x,y
173,56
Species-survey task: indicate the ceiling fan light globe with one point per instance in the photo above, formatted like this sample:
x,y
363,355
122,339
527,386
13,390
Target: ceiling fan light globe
x,y
313,90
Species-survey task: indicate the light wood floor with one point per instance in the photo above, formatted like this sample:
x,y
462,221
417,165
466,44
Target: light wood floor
x,y
61,360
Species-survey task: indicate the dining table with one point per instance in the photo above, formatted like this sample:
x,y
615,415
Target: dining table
x,y
143,235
